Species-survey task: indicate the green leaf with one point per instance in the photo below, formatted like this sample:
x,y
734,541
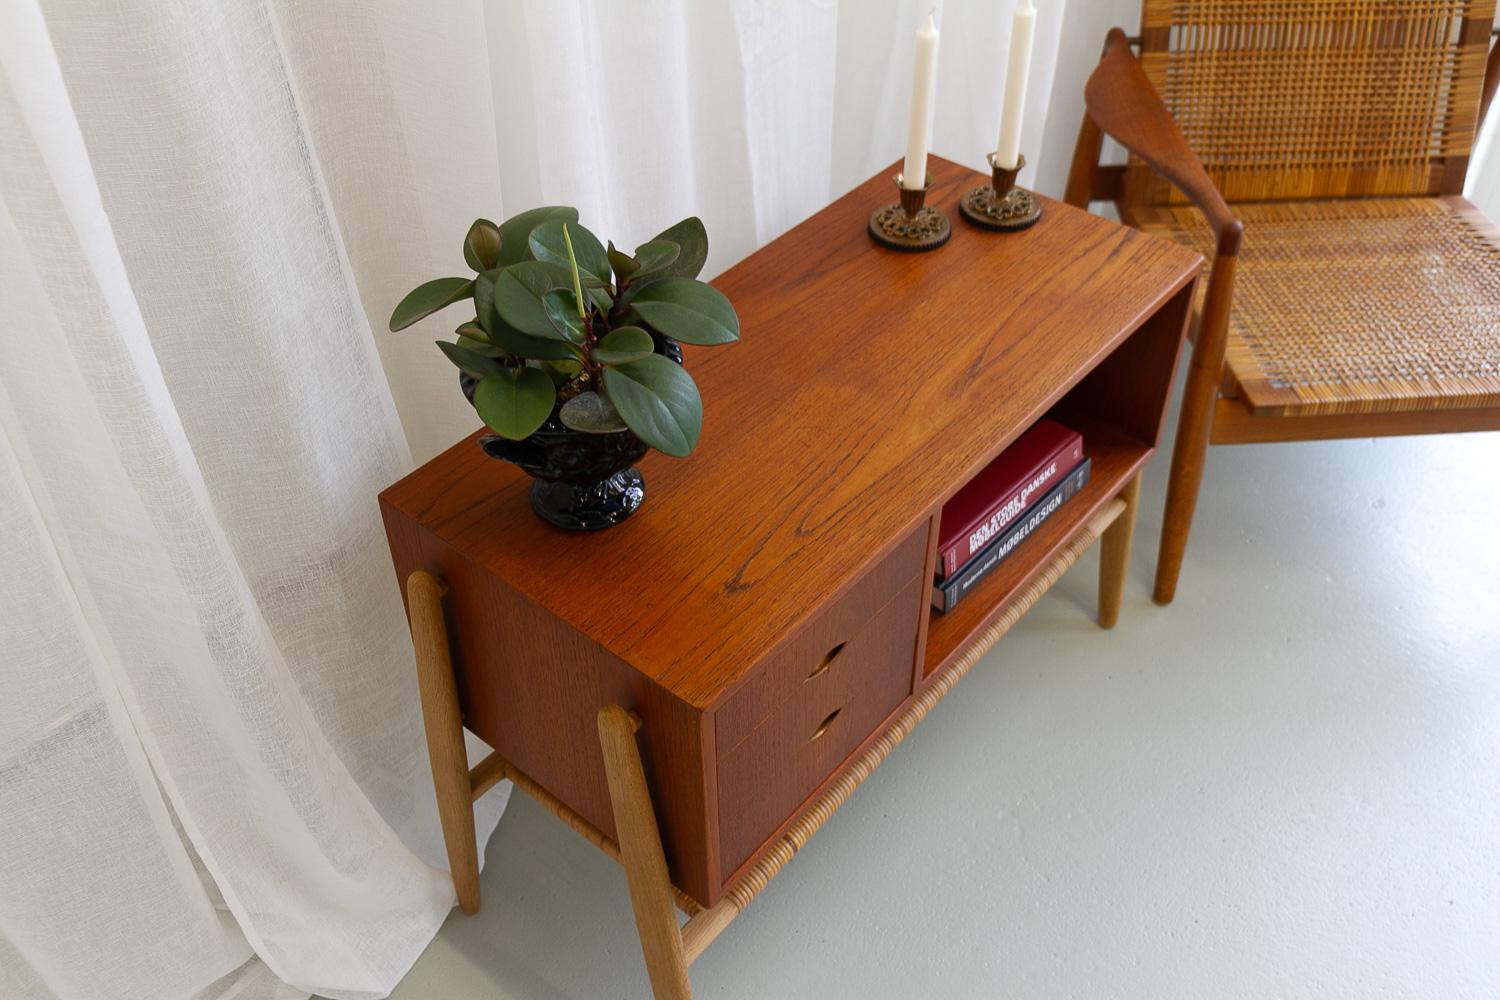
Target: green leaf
x,y
519,291
484,301
482,245
560,371
656,255
599,296
427,298
481,347
624,345
690,235
688,310
535,348
623,264
583,309
508,338
561,308
515,232
591,413
659,401
472,330
548,243
514,402
473,362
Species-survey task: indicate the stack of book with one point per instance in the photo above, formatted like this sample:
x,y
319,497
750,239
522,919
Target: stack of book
x,y
1003,505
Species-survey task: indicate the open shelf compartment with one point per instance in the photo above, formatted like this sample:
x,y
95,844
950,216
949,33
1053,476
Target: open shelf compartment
x,y
1116,458
1118,408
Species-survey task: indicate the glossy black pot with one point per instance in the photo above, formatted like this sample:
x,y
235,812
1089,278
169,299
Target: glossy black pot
x,y
584,482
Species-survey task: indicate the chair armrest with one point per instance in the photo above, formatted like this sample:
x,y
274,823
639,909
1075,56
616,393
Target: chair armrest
x,y
1121,100
1491,81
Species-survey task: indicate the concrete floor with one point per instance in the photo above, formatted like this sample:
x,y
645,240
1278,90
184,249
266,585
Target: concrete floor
x,y
1287,784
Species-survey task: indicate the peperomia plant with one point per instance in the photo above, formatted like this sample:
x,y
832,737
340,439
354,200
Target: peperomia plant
x,y
561,319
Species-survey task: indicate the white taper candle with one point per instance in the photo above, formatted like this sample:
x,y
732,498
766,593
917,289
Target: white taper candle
x,y
1023,27
919,122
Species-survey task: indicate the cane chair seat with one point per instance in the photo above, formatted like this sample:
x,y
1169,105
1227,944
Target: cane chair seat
x,y
1356,305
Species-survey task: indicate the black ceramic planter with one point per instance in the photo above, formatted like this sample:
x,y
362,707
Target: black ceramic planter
x,y
584,482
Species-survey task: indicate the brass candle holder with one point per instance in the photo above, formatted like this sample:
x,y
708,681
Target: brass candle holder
x,y
910,224
1001,205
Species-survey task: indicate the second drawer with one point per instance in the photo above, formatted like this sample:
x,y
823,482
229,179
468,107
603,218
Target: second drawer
x,y
772,771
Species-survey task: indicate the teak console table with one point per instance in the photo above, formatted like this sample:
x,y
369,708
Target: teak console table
x,y
697,689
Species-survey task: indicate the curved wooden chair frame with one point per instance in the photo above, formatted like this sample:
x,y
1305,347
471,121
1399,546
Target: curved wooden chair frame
x,y
1121,102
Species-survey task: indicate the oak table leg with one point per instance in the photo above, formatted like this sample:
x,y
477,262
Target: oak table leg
x,y
445,734
1114,555
641,853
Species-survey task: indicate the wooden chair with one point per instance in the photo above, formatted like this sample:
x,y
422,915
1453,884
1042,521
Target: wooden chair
x,y
1316,152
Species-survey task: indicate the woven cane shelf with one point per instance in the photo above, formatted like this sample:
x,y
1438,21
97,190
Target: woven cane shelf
x,y
1397,303
698,689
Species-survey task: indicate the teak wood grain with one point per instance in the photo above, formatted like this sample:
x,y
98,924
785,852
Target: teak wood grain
x,y
867,388
766,608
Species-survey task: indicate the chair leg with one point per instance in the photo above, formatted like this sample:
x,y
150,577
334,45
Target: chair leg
x,y
1185,478
641,853
1114,555
1195,422
445,734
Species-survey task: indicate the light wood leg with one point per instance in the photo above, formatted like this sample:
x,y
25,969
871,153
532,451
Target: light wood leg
x,y
1114,555
641,853
445,733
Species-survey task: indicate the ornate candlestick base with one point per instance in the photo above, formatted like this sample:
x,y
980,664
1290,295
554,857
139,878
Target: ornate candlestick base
x,y
909,225
1001,206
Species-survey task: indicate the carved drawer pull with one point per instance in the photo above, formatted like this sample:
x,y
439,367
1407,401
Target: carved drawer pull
x,y
824,726
822,665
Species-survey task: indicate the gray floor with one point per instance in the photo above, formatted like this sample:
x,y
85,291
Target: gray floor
x,y
1287,784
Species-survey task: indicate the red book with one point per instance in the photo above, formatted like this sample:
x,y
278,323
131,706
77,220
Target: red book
x,y
1002,491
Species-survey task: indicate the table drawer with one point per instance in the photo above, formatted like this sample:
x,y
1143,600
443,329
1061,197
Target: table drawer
x,y
817,644
772,771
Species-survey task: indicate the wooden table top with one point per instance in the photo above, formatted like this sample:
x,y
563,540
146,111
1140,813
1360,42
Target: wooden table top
x,y
867,387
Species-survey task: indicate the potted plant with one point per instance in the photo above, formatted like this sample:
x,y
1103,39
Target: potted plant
x,y
572,357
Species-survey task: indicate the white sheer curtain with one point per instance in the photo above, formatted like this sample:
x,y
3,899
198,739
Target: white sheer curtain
x,y
210,745
212,777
